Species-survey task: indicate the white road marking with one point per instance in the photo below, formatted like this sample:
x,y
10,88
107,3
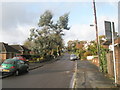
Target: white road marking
x,y
73,80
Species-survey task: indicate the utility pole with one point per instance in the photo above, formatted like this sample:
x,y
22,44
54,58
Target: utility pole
x,y
96,28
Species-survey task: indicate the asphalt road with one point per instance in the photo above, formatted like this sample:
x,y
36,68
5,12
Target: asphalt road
x,y
54,75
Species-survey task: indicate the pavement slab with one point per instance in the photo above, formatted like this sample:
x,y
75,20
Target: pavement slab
x,y
89,76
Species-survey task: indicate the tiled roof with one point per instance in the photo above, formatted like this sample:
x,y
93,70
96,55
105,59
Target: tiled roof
x,y
2,48
20,47
6,48
24,48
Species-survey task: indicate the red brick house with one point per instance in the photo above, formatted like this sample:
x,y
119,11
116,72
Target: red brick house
x,y
79,45
7,51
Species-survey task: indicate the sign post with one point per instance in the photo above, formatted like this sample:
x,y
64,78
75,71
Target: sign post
x,y
112,25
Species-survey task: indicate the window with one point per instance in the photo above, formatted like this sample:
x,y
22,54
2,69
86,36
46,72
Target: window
x,y
8,62
21,62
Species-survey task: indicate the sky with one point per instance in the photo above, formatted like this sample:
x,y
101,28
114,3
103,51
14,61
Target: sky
x,y
17,18
119,18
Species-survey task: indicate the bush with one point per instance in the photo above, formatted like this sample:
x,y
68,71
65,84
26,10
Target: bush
x,y
103,61
48,57
87,54
55,53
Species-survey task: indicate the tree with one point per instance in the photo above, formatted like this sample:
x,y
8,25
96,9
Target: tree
x,y
87,53
45,19
27,44
92,48
63,22
102,38
47,39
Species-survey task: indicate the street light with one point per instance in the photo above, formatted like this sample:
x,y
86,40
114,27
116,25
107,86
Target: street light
x,y
91,25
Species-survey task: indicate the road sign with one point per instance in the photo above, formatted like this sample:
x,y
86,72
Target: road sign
x,y
108,32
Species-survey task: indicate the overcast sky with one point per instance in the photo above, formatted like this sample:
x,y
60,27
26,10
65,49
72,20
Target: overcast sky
x,y
18,17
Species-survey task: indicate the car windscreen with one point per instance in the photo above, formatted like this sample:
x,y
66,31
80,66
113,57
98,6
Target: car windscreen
x,y
8,62
16,57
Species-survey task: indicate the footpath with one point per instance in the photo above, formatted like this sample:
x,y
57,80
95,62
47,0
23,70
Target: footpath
x,y
89,76
35,65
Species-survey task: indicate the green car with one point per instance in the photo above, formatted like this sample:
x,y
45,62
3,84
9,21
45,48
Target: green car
x,y
13,66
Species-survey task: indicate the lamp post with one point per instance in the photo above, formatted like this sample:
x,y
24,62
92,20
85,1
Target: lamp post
x,y
113,47
96,28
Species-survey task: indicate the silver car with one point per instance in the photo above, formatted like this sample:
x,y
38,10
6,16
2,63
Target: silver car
x,y
73,57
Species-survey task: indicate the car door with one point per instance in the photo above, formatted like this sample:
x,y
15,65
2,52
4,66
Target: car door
x,y
21,65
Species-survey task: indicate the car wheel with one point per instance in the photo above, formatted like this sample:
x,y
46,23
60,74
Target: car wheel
x,y
27,70
17,72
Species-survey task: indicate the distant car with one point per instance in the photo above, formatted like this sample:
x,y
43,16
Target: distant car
x,y
73,57
21,58
13,66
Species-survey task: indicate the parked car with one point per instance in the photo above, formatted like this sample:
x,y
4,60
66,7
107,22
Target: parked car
x,y
21,58
73,57
13,66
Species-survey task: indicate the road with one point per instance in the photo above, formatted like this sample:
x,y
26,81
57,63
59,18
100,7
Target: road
x,y
53,75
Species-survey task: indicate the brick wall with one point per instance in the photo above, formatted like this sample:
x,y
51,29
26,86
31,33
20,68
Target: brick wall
x,y
6,56
95,61
3,56
10,55
117,56
110,64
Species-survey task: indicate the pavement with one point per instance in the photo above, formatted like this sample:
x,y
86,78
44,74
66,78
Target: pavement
x,y
89,76
35,65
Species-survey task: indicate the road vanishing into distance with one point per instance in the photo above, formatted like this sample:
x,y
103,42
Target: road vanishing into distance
x,y
58,74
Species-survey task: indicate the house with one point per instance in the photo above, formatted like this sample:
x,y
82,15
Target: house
x,y
80,44
22,49
7,51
